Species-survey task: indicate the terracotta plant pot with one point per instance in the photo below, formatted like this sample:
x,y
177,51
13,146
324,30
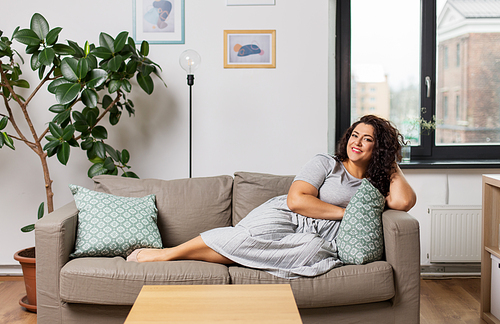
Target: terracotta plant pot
x,y
27,260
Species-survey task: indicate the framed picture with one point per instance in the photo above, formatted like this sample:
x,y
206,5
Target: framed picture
x,y
158,21
249,48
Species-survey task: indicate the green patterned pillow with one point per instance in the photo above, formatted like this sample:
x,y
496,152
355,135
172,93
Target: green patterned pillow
x,y
111,225
360,239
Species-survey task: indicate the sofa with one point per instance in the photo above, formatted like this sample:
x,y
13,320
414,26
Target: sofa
x,y
103,289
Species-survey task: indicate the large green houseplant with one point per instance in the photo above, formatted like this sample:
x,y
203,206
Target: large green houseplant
x,y
89,83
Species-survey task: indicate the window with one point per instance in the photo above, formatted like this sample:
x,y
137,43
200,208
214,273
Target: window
x,y
414,72
445,57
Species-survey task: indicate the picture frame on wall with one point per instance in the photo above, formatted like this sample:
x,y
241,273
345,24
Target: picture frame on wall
x,y
158,21
250,49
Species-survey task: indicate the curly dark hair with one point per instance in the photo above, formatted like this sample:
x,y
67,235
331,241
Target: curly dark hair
x,y
386,151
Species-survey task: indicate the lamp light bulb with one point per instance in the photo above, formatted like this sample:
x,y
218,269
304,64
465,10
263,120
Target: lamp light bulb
x,y
189,60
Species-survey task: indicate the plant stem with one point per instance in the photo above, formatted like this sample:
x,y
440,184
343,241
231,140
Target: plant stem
x,y
36,146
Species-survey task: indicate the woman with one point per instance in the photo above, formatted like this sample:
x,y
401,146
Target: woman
x,y
294,235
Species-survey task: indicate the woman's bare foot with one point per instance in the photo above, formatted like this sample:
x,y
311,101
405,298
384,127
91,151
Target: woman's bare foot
x,y
147,255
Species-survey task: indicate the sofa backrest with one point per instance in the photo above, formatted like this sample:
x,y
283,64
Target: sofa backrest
x,y
252,189
186,207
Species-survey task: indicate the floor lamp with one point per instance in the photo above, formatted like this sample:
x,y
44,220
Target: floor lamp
x,y
189,61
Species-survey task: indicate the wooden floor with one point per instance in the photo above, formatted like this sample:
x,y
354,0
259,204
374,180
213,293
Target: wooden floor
x,y
454,301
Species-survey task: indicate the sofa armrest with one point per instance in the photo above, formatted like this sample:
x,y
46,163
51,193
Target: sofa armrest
x,y
55,236
402,251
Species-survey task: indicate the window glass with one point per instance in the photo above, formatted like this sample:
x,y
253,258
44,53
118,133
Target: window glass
x,y
386,60
470,75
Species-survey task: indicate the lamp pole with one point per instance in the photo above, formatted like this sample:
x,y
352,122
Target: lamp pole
x,y
189,61
190,82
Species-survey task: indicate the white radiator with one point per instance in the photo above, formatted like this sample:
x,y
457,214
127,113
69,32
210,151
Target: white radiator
x,y
455,233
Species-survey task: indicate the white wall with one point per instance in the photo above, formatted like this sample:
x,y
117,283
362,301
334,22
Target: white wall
x,y
441,187
264,120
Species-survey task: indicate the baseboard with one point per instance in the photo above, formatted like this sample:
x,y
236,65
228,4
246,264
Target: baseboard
x,y
10,270
451,270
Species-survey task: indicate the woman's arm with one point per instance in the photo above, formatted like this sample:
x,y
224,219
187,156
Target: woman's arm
x,y
401,195
303,199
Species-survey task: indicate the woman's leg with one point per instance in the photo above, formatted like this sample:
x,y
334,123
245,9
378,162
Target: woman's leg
x,y
194,249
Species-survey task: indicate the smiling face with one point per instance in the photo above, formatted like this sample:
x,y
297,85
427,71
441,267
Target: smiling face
x,y
361,143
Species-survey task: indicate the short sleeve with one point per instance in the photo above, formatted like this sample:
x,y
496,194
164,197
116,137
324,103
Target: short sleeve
x,y
316,170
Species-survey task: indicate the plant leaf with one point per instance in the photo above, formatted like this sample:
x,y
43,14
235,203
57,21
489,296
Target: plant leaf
x,y
78,50
125,156
96,78
100,150
28,228
109,164
120,41
57,108
96,169
34,62
63,153
114,85
82,68
27,37
69,67
63,49
100,132
62,117
54,84
102,52
89,98
40,210
145,82
20,84
55,130
46,57
78,116
39,25
126,85
131,66
3,122
52,36
7,140
68,132
67,92
51,145
112,152
144,48
107,41
115,63
86,48
130,174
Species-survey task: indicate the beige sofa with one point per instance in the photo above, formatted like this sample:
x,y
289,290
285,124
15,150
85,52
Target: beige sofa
x,y
103,290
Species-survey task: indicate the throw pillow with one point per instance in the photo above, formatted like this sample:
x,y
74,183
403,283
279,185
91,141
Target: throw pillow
x,y
360,239
111,225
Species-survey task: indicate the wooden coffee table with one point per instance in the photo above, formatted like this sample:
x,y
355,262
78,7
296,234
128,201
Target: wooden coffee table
x,y
215,304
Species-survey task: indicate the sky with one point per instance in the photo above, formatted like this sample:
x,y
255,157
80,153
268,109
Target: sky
x,y
387,33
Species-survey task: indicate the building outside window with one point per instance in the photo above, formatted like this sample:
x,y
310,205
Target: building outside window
x,y
421,58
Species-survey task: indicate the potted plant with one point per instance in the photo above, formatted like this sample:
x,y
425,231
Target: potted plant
x,y
89,83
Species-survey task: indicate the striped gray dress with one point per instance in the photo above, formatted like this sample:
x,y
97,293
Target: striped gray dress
x,y
284,243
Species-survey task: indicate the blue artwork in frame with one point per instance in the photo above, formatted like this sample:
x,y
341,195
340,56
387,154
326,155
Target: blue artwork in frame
x,y
158,21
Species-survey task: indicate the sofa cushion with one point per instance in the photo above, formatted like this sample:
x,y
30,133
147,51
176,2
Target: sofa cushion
x,y
186,207
347,285
110,225
360,239
253,189
113,281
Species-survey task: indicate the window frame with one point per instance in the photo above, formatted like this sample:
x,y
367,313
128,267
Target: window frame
x,y
427,154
